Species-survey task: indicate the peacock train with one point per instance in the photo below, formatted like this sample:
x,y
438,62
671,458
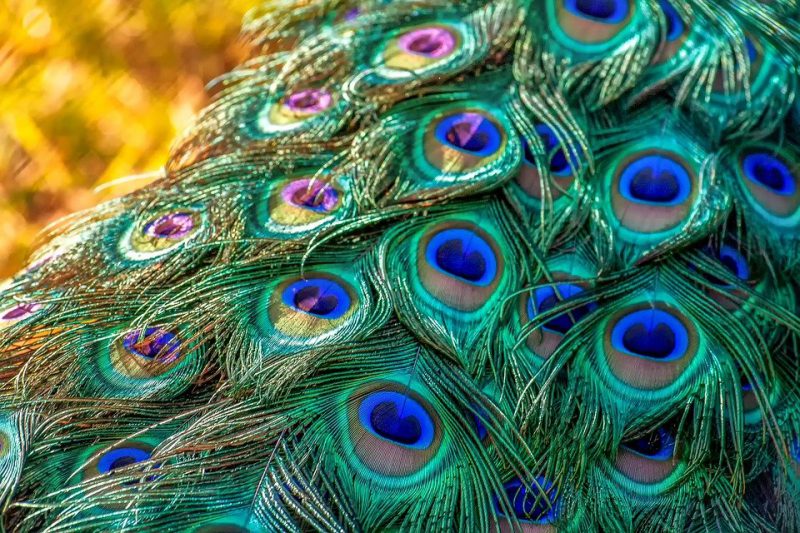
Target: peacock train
x,y
421,265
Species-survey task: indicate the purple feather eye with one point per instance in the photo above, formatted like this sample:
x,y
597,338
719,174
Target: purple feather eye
x,y
310,101
153,344
19,312
433,42
534,503
470,132
314,195
170,226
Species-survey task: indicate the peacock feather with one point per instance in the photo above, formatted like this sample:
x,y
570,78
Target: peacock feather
x,y
493,265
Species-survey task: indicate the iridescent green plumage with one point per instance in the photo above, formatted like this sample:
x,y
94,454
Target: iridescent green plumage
x,y
430,266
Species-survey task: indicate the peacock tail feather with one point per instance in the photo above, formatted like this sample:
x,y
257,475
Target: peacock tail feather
x,y
493,265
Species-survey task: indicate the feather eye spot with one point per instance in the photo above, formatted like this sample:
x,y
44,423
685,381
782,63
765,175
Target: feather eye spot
x,y
312,195
464,255
319,297
732,260
536,503
655,179
546,298
463,141
434,42
120,458
417,49
393,430
153,345
298,206
769,183
397,418
173,226
161,233
648,459
658,445
308,101
652,192
118,461
589,26
19,312
295,110
649,345
604,11
652,334
469,132
675,24
769,172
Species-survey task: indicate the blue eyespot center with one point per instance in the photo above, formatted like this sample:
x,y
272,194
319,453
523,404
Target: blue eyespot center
x,y
546,298
387,422
319,297
559,164
651,334
733,261
398,418
795,450
469,132
675,25
152,343
752,53
121,457
745,383
655,179
537,503
605,11
770,172
462,254
658,445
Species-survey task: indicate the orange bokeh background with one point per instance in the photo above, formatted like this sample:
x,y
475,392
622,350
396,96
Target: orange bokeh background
x,y
94,91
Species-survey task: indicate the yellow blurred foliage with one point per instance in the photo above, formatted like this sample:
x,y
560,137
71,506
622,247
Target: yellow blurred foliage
x,y
95,90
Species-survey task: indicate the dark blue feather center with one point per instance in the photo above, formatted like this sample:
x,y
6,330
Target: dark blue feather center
x,y
546,298
453,258
655,179
398,418
469,132
652,334
769,172
462,254
675,25
656,341
319,297
605,11
658,445
387,422
536,503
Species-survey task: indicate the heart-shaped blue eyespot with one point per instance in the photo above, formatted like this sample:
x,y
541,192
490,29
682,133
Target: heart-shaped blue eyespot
x,y
655,179
469,132
770,172
319,297
397,418
462,254
651,334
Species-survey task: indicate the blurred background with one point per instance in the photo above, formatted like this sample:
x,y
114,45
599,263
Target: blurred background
x,y
95,90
